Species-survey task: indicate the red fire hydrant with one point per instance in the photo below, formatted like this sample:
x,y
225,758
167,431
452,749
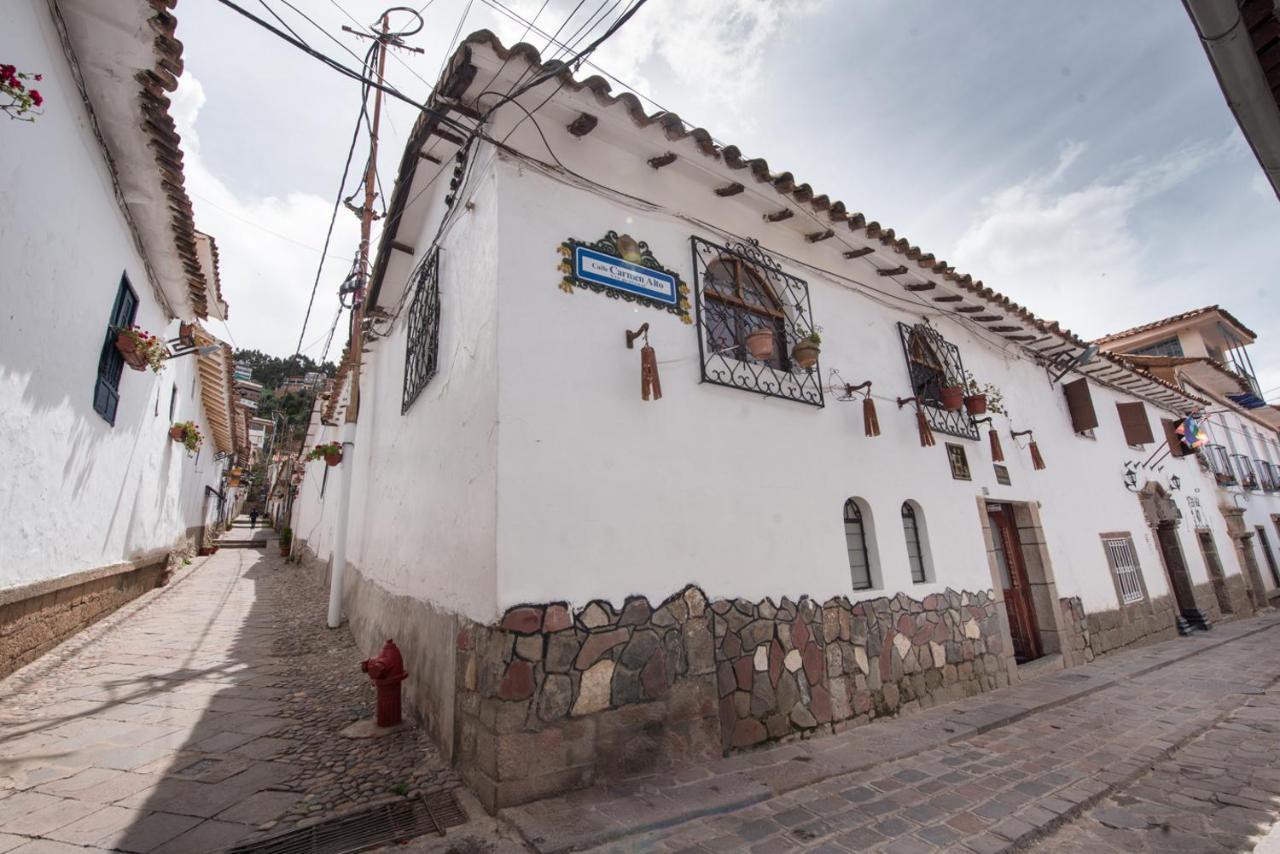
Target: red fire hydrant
x,y
387,672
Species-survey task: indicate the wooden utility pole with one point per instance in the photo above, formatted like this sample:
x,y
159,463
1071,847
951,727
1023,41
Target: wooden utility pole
x,y
366,228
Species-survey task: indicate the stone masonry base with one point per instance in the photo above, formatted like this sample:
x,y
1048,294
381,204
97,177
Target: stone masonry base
x,y
551,700
36,617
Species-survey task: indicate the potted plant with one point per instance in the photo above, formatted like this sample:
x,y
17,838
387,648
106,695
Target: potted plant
x,y
979,399
286,541
952,396
141,349
806,350
760,343
188,434
330,452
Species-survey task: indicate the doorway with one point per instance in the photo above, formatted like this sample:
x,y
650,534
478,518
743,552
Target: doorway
x,y
1218,578
1007,551
1175,566
1271,558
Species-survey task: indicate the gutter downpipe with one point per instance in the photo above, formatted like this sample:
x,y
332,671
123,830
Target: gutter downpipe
x,y
1226,41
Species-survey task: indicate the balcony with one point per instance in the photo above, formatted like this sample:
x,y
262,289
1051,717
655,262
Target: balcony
x,y
1244,470
1219,464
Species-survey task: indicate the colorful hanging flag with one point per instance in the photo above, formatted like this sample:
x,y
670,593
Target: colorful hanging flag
x,y
1192,434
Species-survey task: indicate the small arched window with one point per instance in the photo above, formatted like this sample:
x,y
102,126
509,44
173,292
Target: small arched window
x,y
915,543
738,301
855,535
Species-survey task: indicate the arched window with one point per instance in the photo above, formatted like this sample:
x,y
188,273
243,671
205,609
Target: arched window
x,y
738,302
915,543
855,535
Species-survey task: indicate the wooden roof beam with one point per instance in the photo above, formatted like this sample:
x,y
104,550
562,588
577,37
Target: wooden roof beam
x,y
729,190
662,160
858,253
892,271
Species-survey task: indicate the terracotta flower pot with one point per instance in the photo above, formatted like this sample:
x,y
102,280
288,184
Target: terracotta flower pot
x,y
284,550
760,344
129,350
976,404
952,398
177,434
805,353
334,458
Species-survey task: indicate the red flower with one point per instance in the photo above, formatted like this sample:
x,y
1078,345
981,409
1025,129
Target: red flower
x,y
35,98
39,77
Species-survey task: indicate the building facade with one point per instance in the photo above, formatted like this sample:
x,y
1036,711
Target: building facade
x,y
601,553
96,235
1205,352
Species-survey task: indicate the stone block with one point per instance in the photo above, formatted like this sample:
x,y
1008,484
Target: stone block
x,y
524,620
560,653
699,646
556,618
635,612
597,644
554,698
643,644
595,690
517,683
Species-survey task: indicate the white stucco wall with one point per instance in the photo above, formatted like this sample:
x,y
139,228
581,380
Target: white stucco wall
x,y
80,493
603,495
1261,509
423,500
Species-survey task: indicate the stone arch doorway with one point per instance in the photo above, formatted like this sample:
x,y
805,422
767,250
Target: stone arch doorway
x,y
1163,516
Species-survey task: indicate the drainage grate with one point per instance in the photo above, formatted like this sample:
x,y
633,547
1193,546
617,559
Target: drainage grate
x,y
383,824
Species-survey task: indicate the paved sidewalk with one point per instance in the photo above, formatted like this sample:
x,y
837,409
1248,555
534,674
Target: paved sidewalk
x,y
996,770
200,714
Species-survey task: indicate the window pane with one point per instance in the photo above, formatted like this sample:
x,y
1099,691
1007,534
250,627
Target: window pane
x,y
856,543
912,534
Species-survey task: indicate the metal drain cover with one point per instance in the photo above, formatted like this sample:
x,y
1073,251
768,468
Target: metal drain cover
x,y
379,825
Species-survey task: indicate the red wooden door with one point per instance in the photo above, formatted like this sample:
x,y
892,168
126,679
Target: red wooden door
x,y
1017,587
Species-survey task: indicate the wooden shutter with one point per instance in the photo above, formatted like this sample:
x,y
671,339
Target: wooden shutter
x,y
1176,448
1134,422
1080,405
106,390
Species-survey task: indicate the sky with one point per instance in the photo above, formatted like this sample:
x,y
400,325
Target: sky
x,y
1078,157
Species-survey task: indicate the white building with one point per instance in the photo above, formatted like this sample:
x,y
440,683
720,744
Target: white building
x,y
96,233
1205,351
608,584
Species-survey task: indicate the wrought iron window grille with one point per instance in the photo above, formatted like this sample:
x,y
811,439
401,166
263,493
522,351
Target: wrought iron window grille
x,y
739,288
933,362
422,340
1244,468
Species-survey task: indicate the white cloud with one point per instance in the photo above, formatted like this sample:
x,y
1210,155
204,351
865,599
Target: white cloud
x,y
712,48
1072,253
268,248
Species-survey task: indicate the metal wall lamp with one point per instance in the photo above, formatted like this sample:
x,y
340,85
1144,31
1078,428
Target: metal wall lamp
x,y
1084,357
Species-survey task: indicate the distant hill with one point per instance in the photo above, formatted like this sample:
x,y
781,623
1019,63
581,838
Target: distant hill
x,y
271,372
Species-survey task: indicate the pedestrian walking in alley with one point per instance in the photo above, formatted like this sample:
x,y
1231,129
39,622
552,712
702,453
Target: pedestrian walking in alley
x,y
253,519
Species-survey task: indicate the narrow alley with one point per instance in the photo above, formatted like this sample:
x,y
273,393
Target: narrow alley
x,y
203,713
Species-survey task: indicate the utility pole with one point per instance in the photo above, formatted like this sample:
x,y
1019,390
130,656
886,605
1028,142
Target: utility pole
x,y
385,39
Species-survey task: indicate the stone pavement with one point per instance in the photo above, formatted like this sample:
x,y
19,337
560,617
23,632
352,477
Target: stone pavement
x,y
992,772
200,714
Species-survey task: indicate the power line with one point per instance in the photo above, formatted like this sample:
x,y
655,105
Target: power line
x,y
453,39
258,225
344,70
333,217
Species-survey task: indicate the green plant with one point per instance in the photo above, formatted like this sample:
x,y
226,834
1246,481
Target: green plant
x,y
399,789
24,102
995,400
319,452
812,335
286,536
191,437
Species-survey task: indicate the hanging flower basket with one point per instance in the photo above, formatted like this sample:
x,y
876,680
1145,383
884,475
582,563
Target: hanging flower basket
x,y
760,344
141,350
952,398
188,434
331,453
975,404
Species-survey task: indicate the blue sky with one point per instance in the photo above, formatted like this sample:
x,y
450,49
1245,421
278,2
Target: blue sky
x,y
1078,157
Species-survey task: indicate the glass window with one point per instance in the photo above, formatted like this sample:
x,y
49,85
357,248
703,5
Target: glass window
x,y
915,550
855,536
106,391
1167,347
738,302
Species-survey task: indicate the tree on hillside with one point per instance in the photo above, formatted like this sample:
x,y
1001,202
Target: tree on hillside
x,y
271,371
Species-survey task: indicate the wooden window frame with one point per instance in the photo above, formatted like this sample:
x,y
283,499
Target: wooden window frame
x,y
861,521
1136,425
919,569
106,389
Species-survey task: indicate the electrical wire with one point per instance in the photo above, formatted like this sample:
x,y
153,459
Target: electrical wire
x,y
363,28
440,115
453,40
333,217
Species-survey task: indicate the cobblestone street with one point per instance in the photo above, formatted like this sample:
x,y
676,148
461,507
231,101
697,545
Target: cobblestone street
x,y
201,714
1156,749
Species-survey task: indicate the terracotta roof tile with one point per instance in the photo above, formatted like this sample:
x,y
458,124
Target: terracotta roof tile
x,y
1178,318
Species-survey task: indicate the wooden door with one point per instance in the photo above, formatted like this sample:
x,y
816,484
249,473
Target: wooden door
x,y
1176,566
1216,576
1017,588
